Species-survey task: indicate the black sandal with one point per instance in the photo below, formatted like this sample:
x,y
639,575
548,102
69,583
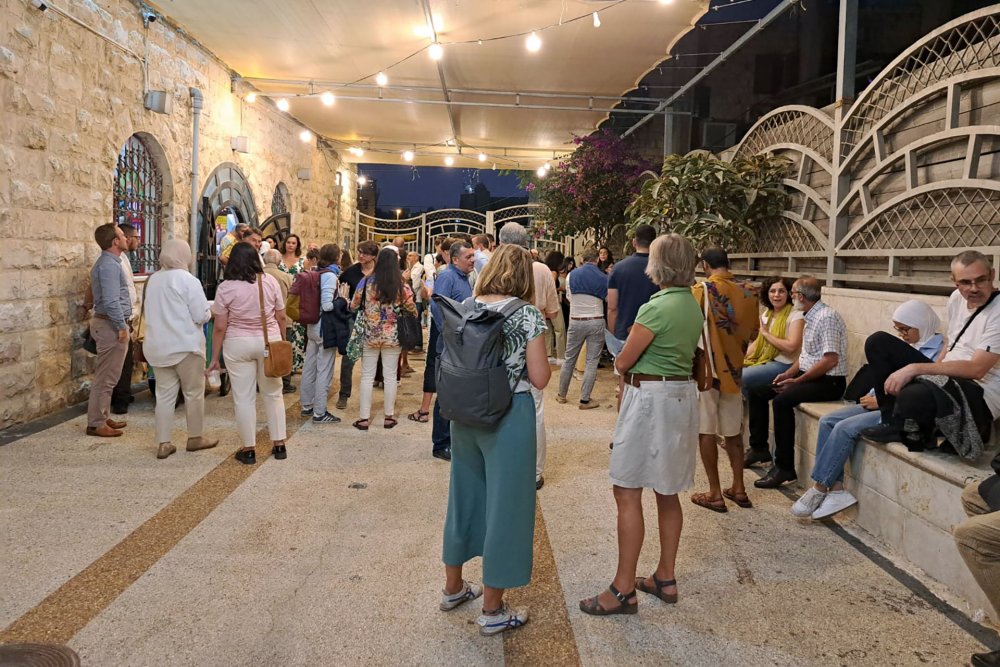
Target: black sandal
x,y
657,588
358,424
593,606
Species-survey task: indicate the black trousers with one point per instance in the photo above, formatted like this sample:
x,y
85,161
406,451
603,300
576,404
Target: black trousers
x,y
121,395
887,354
430,382
825,388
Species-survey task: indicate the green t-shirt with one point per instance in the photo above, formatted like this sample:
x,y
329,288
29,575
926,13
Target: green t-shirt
x,y
676,320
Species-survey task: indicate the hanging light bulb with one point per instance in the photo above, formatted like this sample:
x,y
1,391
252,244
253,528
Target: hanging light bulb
x,y
251,98
381,79
328,98
282,104
436,51
665,2
482,157
533,43
546,167
541,172
362,181
449,161
408,156
597,20
306,136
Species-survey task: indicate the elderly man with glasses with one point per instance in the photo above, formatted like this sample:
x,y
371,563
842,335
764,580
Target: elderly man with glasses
x,y
819,374
963,384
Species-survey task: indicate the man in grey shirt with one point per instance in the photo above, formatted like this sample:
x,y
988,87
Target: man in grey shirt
x,y
109,327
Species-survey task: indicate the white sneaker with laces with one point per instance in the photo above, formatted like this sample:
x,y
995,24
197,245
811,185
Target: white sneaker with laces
x,y
468,592
835,501
808,502
504,619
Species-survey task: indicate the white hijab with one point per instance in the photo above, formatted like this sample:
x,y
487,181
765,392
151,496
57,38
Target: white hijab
x,y
920,316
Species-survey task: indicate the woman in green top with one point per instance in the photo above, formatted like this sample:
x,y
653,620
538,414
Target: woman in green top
x,y
656,437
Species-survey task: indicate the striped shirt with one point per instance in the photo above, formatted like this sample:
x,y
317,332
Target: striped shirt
x,y
825,332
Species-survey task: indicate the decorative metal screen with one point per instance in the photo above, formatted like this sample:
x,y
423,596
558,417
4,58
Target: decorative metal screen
x,y
279,201
138,192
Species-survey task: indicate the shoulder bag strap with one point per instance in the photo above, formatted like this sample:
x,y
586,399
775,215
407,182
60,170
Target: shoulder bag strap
x,y
142,306
263,319
969,321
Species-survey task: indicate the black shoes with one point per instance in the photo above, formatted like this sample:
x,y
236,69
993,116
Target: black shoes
x,y
539,483
279,452
754,456
119,409
247,456
443,454
986,659
883,433
775,478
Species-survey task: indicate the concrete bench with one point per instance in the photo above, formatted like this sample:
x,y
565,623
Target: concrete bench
x,y
908,501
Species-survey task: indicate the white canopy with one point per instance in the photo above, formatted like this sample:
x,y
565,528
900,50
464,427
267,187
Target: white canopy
x,y
298,49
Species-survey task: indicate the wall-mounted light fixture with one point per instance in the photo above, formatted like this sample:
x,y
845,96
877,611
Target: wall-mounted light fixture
x,y
305,174
158,101
240,144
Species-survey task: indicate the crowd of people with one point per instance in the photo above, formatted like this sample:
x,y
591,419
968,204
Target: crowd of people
x,y
691,357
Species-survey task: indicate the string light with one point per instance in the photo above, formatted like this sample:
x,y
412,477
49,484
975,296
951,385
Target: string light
x,y
666,2
282,104
306,136
408,156
354,150
597,20
436,51
328,98
381,79
482,157
449,161
251,98
362,181
541,172
533,43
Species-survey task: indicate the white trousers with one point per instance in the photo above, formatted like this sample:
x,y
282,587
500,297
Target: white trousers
x,y
369,363
245,365
187,375
539,398
317,372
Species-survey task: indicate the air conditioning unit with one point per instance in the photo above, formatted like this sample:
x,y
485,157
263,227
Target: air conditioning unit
x,y
717,136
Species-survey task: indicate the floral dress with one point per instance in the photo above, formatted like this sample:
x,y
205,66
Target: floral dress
x,y
380,319
298,331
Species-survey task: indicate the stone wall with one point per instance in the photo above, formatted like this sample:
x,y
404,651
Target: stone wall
x,y
69,100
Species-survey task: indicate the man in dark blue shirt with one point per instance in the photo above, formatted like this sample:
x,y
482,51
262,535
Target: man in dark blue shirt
x,y
453,283
629,287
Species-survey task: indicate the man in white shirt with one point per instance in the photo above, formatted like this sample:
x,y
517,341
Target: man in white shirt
x,y
121,396
481,244
909,408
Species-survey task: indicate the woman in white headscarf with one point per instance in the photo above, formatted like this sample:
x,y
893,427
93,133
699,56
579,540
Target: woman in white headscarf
x,y
917,324
174,311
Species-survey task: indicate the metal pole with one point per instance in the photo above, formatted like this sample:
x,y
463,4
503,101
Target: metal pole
x,y
847,41
196,103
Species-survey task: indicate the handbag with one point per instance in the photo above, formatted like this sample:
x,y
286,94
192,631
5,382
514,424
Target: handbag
x,y
357,342
408,329
277,354
140,331
703,371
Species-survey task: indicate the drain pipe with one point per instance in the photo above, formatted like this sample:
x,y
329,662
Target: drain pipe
x,y
196,104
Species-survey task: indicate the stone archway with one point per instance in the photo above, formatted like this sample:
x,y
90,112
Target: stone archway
x,y
226,190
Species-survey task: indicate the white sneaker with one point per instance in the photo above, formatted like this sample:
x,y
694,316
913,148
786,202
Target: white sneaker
x,y
560,362
468,592
504,619
552,361
808,503
834,502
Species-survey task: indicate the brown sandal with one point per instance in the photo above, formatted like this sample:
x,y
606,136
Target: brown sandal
x,y
703,500
657,588
741,499
361,424
389,422
418,416
593,607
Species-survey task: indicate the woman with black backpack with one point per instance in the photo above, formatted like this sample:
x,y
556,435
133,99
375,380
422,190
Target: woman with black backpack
x,y
380,300
491,497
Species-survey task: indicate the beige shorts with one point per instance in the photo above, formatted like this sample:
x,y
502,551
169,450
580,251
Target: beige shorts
x,y
720,414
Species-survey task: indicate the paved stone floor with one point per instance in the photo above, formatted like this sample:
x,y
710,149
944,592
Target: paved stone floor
x,y
332,557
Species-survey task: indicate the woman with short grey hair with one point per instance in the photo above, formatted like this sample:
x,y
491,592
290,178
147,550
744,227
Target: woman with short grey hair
x,y
656,436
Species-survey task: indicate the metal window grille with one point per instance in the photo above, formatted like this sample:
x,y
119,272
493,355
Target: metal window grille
x,y
138,192
279,202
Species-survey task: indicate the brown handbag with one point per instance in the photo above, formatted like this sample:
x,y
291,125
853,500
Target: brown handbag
x,y
277,354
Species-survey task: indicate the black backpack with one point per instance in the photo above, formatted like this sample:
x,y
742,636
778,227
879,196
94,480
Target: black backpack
x,y
472,383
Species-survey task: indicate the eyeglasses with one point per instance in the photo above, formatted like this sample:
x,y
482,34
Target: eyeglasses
x,y
902,329
981,280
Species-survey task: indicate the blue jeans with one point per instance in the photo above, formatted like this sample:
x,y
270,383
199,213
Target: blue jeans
x,y
838,431
762,374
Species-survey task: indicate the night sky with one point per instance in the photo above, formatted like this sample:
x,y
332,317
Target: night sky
x,y
433,187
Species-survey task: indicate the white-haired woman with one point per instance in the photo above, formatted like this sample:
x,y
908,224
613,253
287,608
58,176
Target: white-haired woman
x,y
174,311
656,436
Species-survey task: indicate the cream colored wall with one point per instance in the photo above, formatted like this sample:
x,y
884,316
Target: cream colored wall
x,y
68,102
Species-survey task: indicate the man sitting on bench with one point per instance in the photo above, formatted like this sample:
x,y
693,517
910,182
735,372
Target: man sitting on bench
x,y
971,359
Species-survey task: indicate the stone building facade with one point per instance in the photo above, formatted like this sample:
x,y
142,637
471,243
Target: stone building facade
x,y
71,97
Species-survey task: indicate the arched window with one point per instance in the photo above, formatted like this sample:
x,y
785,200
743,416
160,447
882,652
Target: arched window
x,y
139,201
279,202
